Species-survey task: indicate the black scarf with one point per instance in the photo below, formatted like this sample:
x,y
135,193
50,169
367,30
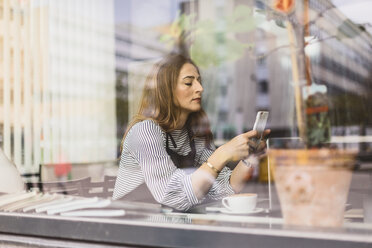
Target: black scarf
x,y
179,160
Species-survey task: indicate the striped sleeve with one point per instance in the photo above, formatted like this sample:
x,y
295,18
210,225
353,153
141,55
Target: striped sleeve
x,y
168,184
221,186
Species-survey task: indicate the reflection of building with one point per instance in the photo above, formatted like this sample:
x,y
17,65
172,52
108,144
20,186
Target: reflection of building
x,y
137,46
132,46
342,62
243,87
262,79
57,82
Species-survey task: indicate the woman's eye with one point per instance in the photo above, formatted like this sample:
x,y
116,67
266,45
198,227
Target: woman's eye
x,y
188,84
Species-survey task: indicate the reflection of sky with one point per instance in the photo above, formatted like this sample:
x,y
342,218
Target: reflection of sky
x,y
122,11
146,13
359,11
314,88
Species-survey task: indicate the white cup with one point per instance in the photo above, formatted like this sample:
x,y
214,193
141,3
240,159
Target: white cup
x,y
240,202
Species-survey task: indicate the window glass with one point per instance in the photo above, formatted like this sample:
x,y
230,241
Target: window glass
x,y
73,73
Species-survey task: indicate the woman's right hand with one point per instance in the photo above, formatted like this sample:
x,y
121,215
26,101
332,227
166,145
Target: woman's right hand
x,y
238,148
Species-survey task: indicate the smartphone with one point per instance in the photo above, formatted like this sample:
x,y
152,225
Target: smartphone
x,y
259,126
261,120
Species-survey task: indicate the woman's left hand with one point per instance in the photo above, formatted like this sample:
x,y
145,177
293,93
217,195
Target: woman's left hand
x,y
258,146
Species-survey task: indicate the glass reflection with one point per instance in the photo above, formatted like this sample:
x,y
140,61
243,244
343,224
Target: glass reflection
x,y
73,72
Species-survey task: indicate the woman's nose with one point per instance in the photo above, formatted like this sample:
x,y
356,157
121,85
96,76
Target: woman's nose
x,y
199,86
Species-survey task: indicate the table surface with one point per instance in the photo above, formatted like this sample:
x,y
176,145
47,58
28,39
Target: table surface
x,y
184,230
154,226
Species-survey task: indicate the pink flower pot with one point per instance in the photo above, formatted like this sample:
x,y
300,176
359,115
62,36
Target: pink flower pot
x,y
312,185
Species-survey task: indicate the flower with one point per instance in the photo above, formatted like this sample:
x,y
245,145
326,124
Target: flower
x,y
285,6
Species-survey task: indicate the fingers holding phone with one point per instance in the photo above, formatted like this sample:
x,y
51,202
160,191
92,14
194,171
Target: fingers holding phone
x,y
252,142
261,143
259,126
255,140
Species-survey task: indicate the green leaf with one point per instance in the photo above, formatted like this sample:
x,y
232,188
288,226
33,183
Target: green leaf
x,y
165,38
234,49
280,23
188,22
204,51
205,27
241,20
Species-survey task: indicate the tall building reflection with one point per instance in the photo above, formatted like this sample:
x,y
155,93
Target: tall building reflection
x,y
260,79
58,82
60,100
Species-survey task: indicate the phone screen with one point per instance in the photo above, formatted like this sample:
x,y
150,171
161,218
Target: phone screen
x,y
261,119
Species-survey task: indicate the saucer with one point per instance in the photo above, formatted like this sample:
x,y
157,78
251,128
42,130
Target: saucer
x,y
254,211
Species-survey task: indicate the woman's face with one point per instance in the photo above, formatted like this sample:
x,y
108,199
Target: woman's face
x,y
188,91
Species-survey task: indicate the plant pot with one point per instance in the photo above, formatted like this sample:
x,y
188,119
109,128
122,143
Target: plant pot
x,y
312,185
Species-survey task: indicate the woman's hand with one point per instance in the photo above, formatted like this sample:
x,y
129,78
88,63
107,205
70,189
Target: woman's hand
x,y
255,145
260,144
243,145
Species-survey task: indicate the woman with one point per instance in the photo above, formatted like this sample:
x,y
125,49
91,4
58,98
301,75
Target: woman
x,y
171,132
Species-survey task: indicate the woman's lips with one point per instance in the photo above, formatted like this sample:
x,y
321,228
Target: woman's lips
x,y
197,99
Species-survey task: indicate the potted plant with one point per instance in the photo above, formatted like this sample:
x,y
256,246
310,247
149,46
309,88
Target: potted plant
x,y
313,180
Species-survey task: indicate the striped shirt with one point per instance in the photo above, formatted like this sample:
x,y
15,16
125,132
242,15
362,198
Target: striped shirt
x,y
144,160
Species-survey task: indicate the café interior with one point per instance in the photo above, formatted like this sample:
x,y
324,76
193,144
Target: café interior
x,y
72,74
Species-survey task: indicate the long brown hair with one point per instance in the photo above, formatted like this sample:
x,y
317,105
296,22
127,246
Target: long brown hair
x,y
157,100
